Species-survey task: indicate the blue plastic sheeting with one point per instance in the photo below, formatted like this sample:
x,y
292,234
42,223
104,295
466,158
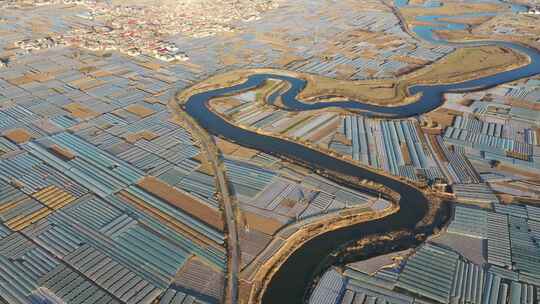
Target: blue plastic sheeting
x,y
93,212
248,175
469,221
21,265
329,289
498,240
172,296
116,279
430,273
178,214
69,285
63,121
97,170
209,254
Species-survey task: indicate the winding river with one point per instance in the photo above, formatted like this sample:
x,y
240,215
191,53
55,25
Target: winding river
x,y
293,278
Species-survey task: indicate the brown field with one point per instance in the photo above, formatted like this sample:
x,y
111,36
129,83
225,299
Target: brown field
x,y
379,91
139,110
456,35
226,147
31,77
100,73
206,166
229,59
86,83
61,152
468,63
288,58
470,21
134,137
368,54
261,223
244,291
451,9
207,169
245,153
18,136
229,148
525,104
183,201
406,155
85,69
152,100
40,25
79,110
21,80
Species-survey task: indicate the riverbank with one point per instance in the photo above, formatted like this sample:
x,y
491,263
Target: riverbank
x,y
468,63
464,64
468,37
319,149
257,275
309,231
290,280
380,244
413,198
435,218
